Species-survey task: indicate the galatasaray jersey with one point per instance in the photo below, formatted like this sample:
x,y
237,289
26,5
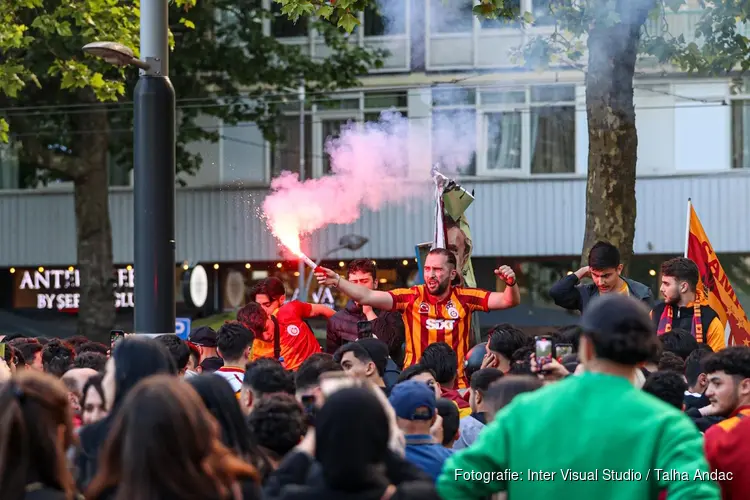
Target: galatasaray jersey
x,y
296,340
427,320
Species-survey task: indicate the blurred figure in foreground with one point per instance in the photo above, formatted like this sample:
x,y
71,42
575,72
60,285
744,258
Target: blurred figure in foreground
x,y
647,434
36,429
184,458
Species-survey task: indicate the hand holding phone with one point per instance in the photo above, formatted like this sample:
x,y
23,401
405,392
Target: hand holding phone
x,y
544,350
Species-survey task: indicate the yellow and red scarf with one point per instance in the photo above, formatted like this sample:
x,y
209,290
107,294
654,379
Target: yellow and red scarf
x,y
665,322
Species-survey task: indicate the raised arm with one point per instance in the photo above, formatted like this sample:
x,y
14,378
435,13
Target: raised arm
x,y
358,293
508,298
321,310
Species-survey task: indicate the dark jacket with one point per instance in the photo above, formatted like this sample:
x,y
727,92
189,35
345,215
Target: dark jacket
x,y
92,438
569,294
682,317
299,477
350,324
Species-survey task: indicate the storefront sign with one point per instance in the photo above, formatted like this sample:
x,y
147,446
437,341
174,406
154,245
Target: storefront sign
x,y
58,289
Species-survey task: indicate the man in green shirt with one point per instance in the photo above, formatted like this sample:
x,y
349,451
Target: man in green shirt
x,y
589,436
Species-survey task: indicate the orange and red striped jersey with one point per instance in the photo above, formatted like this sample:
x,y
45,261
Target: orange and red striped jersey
x,y
427,320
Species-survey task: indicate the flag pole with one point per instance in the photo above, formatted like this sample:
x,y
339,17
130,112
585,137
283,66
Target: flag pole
x,y
687,229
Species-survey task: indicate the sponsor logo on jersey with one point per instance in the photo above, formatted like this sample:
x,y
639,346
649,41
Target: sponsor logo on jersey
x,y
292,330
424,308
440,324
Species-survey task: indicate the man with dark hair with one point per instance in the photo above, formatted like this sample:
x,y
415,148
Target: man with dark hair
x,y
605,270
682,309
473,425
697,379
178,349
727,443
307,379
669,386
285,320
90,359
97,347
421,373
647,435
442,360
57,357
31,353
264,376
570,334
278,424
364,359
234,343
436,311
357,321
671,362
679,342
502,341
451,422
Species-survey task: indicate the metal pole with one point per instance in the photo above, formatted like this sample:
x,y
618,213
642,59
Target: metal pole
x,y
301,266
154,177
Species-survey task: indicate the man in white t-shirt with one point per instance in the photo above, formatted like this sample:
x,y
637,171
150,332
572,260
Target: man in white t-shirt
x,y
234,344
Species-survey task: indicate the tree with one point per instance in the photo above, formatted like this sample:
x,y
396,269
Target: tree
x,y
611,35
70,116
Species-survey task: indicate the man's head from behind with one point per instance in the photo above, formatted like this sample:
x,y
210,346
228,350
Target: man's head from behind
x,y
480,383
617,334
255,318
668,386
270,294
679,276
695,375
728,379
441,359
503,341
679,342
57,357
604,263
363,272
178,349
234,343
440,269
278,424
414,404
307,378
264,376
364,359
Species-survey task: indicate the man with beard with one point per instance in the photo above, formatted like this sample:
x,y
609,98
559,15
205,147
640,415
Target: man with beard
x,y
435,311
681,309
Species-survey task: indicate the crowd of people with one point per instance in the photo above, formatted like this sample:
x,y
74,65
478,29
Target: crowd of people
x,y
644,402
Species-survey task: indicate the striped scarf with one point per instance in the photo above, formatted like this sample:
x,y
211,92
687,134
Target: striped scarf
x,y
665,322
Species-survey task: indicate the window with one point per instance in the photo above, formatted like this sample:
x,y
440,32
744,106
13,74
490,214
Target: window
x,y
513,8
283,27
543,15
386,100
385,18
285,153
741,134
528,130
331,128
243,153
454,139
451,16
9,166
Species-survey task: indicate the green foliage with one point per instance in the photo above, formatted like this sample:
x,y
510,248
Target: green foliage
x,y
223,64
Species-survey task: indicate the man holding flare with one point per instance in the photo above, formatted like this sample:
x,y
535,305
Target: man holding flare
x,y
435,311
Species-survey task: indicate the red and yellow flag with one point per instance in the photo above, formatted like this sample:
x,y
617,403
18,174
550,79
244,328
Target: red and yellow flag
x,y
716,290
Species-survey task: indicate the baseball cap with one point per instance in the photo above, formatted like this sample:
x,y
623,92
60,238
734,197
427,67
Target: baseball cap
x,y
204,336
378,351
413,400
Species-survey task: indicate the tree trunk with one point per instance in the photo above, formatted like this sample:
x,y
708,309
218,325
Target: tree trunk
x,y
613,141
96,315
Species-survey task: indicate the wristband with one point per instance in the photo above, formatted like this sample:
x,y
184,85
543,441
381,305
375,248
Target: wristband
x,y
512,283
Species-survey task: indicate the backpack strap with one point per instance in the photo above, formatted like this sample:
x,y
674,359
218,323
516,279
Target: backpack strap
x,y
276,338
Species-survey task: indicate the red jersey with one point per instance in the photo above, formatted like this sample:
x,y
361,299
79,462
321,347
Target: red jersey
x,y
296,339
727,445
427,320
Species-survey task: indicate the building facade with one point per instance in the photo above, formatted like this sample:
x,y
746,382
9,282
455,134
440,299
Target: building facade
x,y
528,173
